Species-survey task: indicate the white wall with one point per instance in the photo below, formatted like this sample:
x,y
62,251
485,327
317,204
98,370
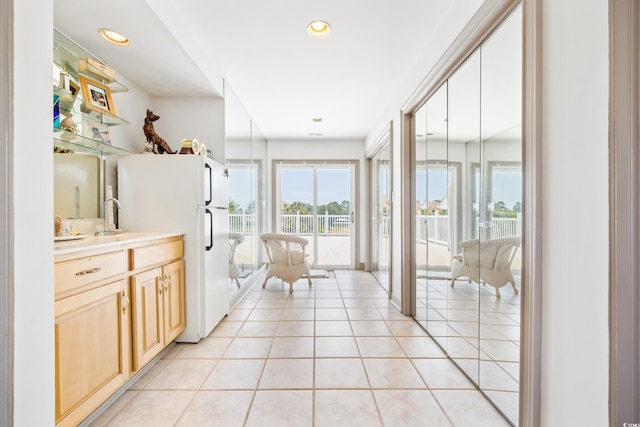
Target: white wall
x,y
32,211
191,118
130,106
575,220
325,150
5,90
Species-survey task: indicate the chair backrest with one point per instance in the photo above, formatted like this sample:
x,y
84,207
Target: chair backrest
x,y
494,253
284,248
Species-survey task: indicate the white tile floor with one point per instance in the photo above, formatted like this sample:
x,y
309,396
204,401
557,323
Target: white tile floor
x,y
471,323
331,355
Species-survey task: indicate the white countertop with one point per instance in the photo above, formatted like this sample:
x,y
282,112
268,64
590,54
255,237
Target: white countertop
x,y
92,242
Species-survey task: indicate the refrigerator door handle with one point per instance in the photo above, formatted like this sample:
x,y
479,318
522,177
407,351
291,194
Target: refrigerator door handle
x,y
210,245
206,165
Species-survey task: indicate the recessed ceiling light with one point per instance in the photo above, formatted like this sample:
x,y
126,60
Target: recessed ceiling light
x,y
114,37
318,29
315,134
317,119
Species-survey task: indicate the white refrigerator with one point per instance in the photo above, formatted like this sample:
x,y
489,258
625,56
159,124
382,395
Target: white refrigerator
x,y
188,194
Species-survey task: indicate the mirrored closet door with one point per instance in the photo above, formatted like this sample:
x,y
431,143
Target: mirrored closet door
x,y
380,215
246,150
467,186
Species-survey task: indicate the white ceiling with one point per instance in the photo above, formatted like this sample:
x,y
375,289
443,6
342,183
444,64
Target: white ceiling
x,y
260,47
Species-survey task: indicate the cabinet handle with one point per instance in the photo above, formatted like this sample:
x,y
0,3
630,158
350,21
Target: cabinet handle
x,y
167,282
93,270
125,303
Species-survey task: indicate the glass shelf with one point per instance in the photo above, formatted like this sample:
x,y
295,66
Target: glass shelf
x,y
105,118
83,145
68,55
75,106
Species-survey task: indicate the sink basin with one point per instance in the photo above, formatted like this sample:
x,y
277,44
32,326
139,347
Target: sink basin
x,y
105,233
109,232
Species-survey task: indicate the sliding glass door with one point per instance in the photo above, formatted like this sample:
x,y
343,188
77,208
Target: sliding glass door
x,y
315,202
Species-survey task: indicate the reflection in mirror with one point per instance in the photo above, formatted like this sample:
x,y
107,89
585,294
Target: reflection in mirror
x,y
242,178
422,310
431,195
380,251
241,186
76,185
501,170
259,159
246,155
467,175
464,152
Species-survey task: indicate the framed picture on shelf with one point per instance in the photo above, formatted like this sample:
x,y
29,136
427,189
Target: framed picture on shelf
x,y
73,88
97,97
95,130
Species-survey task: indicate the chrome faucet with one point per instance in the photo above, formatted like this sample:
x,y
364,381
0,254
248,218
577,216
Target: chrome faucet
x,y
106,231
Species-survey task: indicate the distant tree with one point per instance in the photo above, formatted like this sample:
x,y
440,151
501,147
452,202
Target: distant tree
x,y
346,206
500,210
234,207
517,207
295,207
251,207
334,208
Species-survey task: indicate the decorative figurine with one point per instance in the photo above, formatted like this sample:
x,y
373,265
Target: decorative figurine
x,y
148,148
159,144
67,123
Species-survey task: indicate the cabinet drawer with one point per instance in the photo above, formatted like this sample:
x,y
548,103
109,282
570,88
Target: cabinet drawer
x,y
83,271
155,254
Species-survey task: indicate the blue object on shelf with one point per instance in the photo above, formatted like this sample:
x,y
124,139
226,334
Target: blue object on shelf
x,y
56,111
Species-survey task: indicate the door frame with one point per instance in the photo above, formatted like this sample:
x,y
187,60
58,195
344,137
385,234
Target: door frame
x,y
624,206
355,202
6,219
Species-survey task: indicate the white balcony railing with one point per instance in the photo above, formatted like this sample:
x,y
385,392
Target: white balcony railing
x,y
327,225
435,228
429,228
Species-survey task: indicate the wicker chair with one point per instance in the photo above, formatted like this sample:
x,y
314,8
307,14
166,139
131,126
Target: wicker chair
x,y
486,262
234,240
286,255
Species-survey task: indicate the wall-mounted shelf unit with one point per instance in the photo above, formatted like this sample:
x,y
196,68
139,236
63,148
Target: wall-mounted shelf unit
x,y
76,62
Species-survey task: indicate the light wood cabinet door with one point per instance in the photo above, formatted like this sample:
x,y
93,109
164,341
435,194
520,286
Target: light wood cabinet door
x,y
158,310
147,289
174,311
92,349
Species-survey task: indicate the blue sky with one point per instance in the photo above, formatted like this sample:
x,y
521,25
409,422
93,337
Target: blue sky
x,y
297,185
240,183
506,186
437,185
